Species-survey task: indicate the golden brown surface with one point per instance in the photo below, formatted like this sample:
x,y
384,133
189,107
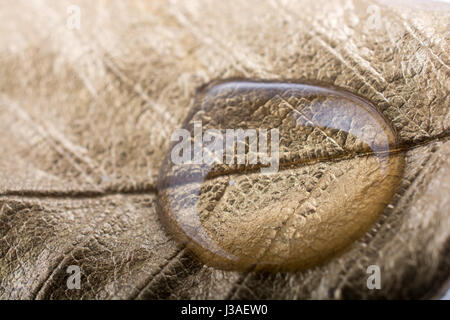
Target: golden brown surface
x,y
86,117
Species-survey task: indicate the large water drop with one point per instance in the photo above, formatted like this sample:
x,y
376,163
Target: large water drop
x,y
277,175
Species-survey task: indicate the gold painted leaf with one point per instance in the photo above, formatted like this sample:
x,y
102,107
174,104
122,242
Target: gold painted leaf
x,y
86,117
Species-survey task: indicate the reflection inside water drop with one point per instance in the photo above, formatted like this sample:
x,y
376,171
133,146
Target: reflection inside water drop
x,y
337,167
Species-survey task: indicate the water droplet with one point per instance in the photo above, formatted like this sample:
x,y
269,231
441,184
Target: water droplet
x,y
312,168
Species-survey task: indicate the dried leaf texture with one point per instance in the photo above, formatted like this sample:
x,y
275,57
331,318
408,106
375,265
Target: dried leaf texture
x,y
86,117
